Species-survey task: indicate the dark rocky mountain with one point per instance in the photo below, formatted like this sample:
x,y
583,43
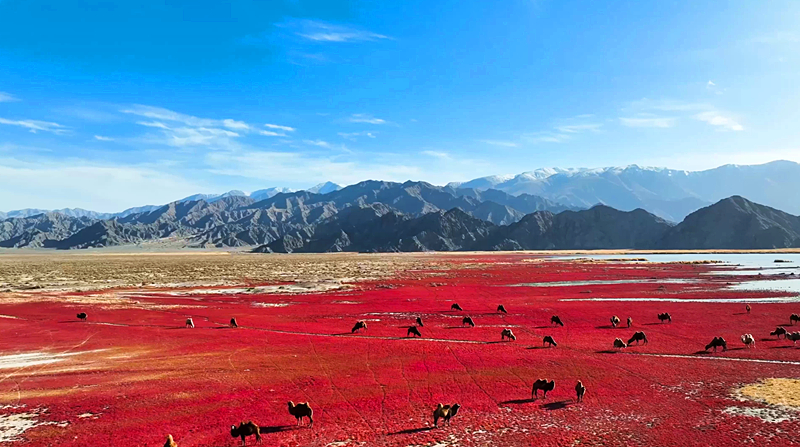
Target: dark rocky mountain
x,y
235,219
36,230
596,228
735,223
377,228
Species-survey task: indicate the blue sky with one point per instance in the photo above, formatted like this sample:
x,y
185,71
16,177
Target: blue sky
x,y
107,105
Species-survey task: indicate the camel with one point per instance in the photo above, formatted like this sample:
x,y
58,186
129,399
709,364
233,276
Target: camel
x,y
717,342
555,320
780,330
580,391
619,344
637,337
544,385
501,308
234,323
507,333
748,308
82,316
793,318
359,325
300,411
189,323
445,412
244,430
748,340
794,337
614,321
665,316
170,442
419,322
455,306
413,331
630,322
468,320
548,339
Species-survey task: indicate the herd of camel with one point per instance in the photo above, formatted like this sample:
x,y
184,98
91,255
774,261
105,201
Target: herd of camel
x,y
447,412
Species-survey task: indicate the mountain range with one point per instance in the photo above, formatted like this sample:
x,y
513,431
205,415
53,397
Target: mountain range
x,y
671,194
377,216
240,220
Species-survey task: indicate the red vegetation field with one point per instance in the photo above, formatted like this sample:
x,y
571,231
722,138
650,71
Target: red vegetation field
x,y
132,374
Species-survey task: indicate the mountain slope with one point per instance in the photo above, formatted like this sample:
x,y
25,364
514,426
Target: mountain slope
x,y
735,223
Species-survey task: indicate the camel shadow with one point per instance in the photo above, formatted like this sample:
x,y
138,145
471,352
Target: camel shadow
x,y
538,347
412,431
275,429
741,313
493,342
608,326
735,349
607,351
769,339
518,401
457,327
782,347
556,405
703,352
543,327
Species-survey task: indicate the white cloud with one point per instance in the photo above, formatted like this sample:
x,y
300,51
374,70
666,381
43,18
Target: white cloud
x,y
319,143
364,118
659,122
437,154
102,138
325,32
190,136
270,133
284,128
719,120
235,125
7,97
545,137
353,135
710,84
578,128
499,143
35,126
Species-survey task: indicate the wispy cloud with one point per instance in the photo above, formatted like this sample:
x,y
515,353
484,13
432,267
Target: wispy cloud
x,y
365,118
719,120
437,154
235,125
703,112
102,138
660,122
500,143
319,143
353,136
7,97
564,131
270,133
578,128
318,31
35,126
279,127
545,137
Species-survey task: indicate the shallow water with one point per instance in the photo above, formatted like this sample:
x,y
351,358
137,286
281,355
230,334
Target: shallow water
x,y
606,282
744,259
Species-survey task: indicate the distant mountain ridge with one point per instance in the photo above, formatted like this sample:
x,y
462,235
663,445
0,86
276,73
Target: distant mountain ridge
x,y
671,194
